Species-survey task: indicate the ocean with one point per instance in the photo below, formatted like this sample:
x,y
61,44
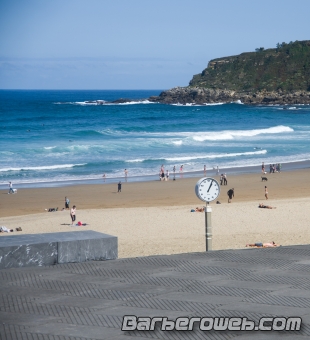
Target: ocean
x,y
56,138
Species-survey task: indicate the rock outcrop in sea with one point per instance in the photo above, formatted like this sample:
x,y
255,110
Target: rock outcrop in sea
x,y
197,95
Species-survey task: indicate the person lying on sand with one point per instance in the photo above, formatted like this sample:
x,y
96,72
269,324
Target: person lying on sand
x,y
261,205
263,245
200,209
52,209
4,229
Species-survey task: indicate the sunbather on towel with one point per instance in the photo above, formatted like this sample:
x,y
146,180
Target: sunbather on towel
x,y
52,209
261,205
263,245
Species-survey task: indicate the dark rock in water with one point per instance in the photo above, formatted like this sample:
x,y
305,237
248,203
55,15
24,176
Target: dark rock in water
x,y
122,101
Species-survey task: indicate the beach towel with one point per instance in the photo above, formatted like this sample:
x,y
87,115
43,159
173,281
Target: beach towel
x,y
80,223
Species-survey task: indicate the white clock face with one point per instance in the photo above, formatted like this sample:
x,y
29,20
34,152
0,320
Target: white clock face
x,y
207,189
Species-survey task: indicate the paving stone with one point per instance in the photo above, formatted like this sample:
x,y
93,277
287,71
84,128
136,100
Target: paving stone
x,y
87,301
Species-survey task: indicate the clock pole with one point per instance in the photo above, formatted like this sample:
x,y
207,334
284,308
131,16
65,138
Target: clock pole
x,y
207,189
208,227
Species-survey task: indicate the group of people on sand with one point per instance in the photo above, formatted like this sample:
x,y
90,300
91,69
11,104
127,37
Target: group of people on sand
x,y
272,168
223,179
67,207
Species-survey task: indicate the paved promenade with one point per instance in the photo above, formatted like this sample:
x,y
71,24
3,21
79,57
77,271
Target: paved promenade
x,y
87,301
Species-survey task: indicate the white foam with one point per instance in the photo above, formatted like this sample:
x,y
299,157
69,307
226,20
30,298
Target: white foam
x,y
177,142
207,135
48,167
194,104
212,156
138,160
228,135
136,102
237,102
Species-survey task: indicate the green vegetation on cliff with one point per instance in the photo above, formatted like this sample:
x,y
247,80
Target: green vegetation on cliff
x,y
285,68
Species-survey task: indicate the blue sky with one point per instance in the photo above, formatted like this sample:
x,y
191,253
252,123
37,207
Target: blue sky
x,y
134,44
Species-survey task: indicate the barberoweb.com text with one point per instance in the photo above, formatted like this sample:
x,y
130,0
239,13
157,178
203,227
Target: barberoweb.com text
x,y
133,323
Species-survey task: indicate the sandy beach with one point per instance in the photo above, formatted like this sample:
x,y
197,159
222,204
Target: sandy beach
x,y
155,217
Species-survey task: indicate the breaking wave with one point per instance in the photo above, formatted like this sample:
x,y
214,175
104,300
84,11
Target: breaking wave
x,y
37,168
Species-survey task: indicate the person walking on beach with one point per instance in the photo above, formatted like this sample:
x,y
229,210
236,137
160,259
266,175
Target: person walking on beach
x,y
205,169
72,214
11,188
167,175
119,186
67,202
225,179
263,167
266,192
231,194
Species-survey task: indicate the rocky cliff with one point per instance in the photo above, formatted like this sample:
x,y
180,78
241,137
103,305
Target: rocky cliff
x,y
274,76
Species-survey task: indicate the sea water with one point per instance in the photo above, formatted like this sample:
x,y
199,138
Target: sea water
x,y
50,138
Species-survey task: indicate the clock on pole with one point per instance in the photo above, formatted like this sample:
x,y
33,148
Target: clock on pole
x,y
208,189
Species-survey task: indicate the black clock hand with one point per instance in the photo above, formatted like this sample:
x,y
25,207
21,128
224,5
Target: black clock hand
x,y
210,186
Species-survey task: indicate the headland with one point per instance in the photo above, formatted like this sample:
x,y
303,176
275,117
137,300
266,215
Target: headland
x,y
277,76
